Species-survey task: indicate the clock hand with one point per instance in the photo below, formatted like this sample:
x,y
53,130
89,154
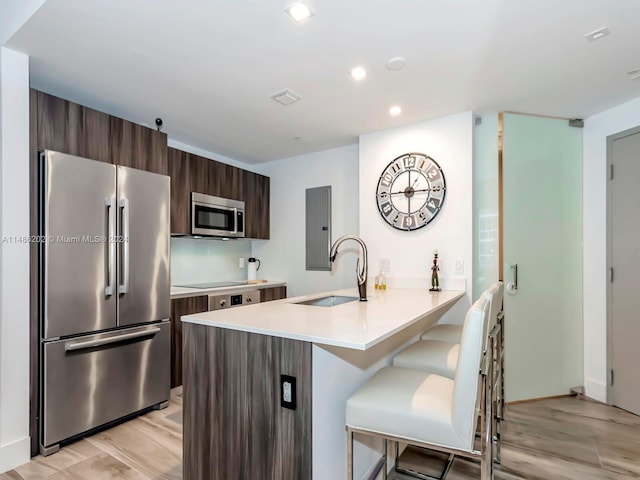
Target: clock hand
x,y
415,191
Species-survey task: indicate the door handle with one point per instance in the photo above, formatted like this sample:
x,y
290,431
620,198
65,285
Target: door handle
x,y
74,346
235,221
111,248
512,287
124,246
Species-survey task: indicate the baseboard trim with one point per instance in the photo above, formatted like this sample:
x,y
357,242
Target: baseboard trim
x,y
529,400
15,454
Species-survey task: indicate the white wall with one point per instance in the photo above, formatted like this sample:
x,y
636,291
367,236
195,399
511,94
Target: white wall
x,y
596,130
449,142
203,260
14,259
283,257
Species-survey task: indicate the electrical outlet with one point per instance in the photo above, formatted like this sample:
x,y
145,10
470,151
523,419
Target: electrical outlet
x,y
288,392
459,268
241,263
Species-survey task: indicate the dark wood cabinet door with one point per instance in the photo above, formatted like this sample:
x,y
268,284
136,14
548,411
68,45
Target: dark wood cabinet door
x,y
135,146
200,174
273,293
180,307
180,173
226,181
256,205
70,128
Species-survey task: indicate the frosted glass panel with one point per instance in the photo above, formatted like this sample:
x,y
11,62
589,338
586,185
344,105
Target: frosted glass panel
x,y
203,260
485,203
542,166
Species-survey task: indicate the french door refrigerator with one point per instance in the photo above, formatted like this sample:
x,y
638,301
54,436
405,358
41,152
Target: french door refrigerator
x,y
104,294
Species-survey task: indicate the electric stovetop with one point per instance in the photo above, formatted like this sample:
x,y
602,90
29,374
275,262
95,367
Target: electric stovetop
x,y
213,284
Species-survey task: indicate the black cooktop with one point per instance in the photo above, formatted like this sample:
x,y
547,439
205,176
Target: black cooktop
x,y
212,284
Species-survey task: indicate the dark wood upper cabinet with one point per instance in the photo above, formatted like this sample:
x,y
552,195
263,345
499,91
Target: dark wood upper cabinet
x,y
70,128
135,146
180,173
201,173
193,173
256,205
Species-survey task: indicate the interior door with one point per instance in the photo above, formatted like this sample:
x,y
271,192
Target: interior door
x,y
624,255
542,234
78,216
143,228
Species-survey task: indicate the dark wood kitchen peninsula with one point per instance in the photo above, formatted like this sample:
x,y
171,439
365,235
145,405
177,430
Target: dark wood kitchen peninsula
x,y
234,424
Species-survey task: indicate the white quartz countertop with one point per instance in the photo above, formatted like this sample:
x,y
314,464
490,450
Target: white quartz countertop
x,y
356,325
183,292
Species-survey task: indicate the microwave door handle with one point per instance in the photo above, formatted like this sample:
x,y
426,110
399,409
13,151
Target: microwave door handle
x,y
235,221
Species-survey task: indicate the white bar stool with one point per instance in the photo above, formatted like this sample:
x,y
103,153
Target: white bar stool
x,y
438,354
430,410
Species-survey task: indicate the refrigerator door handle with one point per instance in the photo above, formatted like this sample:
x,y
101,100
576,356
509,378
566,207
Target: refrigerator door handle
x,y
111,248
124,242
74,346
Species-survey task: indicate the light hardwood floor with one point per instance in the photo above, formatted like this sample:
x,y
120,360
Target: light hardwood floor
x,y
562,438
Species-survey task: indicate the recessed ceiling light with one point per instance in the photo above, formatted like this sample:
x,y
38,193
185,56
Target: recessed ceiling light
x,y
358,73
597,34
299,12
395,110
396,63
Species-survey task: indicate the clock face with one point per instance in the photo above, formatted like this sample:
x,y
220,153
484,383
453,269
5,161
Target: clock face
x,y
411,191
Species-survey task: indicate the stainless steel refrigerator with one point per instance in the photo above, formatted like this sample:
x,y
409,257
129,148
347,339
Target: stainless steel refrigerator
x,y
103,294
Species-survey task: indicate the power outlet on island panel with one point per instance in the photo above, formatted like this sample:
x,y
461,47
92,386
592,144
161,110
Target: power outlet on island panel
x,y
288,392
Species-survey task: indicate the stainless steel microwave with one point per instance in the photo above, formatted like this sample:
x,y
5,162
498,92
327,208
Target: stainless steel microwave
x,y
216,217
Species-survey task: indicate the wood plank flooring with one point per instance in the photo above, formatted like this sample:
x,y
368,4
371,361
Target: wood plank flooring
x,y
562,438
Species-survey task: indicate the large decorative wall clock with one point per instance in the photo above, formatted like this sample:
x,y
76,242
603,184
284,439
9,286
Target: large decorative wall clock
x,y
411,191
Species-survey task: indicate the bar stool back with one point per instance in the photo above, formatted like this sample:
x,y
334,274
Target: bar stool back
x,y
429,410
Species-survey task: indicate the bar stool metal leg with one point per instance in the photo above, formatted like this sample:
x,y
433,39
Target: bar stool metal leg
x,y
349,454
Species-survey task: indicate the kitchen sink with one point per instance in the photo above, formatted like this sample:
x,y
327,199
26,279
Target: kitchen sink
x,y
330,301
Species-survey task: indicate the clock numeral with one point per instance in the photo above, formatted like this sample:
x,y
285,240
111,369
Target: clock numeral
x,y
383,195
409,162
433,205
386,209
396,167
436,188
433,173
408,221
387,179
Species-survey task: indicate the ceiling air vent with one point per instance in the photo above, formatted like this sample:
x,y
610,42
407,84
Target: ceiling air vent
x,y
286,97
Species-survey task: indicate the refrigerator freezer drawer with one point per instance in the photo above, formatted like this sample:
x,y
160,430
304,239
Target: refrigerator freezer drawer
x,y
95,379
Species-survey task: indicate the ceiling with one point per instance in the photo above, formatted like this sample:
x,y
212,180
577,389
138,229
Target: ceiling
x,y
208,67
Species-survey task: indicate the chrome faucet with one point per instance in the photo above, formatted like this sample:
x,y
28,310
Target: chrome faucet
x,y
361,268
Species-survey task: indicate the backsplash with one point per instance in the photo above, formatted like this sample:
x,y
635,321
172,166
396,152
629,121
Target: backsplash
x,y
199,260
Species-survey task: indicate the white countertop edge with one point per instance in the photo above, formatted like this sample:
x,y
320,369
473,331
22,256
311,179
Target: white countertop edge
x,y
184,292
458,294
